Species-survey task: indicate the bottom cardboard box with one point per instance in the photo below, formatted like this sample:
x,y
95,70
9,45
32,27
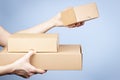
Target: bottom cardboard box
x,y
68,57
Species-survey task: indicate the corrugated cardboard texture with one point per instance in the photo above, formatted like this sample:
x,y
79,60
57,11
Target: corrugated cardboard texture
x,y
79,14
68,16
40,42
69,57
86,12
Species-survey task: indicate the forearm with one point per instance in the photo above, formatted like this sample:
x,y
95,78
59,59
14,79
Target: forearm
x,y
5,69
42,28
4,35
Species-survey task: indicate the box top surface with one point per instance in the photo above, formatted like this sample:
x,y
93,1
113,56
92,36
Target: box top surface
x,y
30,35
63,50
71,49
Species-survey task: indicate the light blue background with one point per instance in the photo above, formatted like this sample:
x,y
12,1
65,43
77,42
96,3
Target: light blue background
x,y
100,38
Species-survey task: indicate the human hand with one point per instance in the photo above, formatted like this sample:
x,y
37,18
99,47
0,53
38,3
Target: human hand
x,y
60,23
23,68
76,25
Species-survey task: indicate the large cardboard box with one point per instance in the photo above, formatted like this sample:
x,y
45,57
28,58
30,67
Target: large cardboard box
x,y
69,57
79,14
22,42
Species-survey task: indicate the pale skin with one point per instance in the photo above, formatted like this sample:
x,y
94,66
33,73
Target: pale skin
x,y
22,66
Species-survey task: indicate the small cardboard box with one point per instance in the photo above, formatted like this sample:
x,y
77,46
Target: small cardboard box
x,y
68,57
79,14
22,42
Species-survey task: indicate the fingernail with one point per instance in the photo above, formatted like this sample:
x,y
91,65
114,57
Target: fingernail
x,y
45,70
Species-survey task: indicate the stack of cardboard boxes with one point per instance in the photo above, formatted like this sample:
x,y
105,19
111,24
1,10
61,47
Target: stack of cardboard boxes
x,y
49,54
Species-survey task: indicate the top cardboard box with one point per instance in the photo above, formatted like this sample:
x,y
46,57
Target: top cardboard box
x,y
79,14
22,42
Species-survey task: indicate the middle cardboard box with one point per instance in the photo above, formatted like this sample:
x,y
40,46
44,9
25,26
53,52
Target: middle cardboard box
x,y
22,42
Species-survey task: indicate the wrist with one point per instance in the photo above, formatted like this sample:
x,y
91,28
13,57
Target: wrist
x,y
57,20
10,68
7,69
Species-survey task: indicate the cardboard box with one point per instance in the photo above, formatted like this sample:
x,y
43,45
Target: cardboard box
x,y
79,14
69,57
22,42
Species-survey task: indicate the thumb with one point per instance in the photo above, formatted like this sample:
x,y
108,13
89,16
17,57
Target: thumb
x,y
40,71
29,54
